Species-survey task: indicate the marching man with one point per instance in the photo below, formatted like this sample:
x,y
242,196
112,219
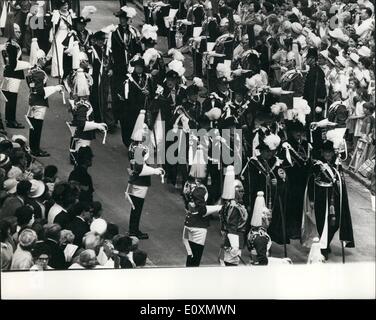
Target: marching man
x,y
38,99
233,217
83,116
140,176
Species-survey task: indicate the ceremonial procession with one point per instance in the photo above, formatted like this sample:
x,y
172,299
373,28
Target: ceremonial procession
x,y
157,133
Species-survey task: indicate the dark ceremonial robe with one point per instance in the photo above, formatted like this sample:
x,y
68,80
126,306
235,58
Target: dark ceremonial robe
x,y
84,42
327,188
315,89
124,45
134,100
257,177
297,174
101,81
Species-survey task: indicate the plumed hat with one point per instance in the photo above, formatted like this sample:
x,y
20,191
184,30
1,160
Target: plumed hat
x,y
138,129
127,12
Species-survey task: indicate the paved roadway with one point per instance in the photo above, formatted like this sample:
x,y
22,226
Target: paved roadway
x,y
163,214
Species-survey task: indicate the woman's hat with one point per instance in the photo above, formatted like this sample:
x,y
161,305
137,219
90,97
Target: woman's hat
x,y
37,188
99,225
341,60
297,28
4,160
27,238
364,52
10,185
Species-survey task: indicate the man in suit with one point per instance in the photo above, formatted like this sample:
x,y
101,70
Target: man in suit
x,y
57,259
80,223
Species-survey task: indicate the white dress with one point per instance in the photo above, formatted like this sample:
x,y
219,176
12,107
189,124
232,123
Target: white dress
x,y
61,34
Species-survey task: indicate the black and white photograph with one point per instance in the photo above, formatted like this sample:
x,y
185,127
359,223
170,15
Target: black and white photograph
x,y
212,142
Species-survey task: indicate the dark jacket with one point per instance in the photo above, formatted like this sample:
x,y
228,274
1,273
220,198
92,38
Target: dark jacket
x,y
57,258
79,228
10,56
36,82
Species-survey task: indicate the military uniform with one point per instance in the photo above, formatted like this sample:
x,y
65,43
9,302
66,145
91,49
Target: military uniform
x,y
233,218
138,184
38,104
196,224
12,80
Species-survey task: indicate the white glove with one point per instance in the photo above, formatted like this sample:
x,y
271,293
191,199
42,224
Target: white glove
x,y
234,240
91,125
149,171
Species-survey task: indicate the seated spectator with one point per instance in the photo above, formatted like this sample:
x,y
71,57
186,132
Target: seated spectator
x,y
80,224
57,258
41,257
87,260
80,174
22,258
6,246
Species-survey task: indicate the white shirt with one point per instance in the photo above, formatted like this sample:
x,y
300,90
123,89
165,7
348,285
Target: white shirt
x,y
364,28
54,211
